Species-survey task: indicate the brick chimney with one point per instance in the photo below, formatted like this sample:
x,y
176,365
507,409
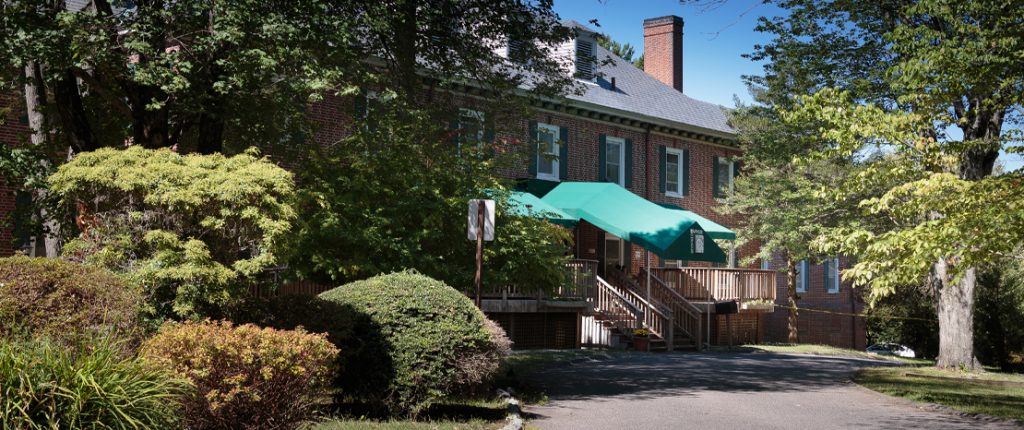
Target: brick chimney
x,y
663,50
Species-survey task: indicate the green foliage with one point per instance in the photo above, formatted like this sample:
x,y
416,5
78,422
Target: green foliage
x,y
190,229
933,215
623,51
906,317
45,385
417,341
998,337
245,376
63,300
394,196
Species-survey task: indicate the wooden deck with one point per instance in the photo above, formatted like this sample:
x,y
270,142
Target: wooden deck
x,y
706,284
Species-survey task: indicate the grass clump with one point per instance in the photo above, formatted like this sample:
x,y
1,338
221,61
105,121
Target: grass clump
x,y
993,394
49,385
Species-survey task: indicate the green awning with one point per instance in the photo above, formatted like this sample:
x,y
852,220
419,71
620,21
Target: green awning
x,y
668,233
526,204
715,230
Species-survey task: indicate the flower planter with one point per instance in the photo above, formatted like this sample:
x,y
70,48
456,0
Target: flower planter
x,y
641,343
768,307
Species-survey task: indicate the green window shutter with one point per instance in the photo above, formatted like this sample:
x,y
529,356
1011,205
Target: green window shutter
x,y
736,167
453,128
602,175
359,106
714,177
563,153
532,141
662,166
488,127
824,272
629,163
686,172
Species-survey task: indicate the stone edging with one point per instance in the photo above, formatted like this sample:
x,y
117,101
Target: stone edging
x,y
514,418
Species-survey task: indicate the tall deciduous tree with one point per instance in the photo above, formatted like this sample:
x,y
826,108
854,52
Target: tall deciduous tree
x,y
935,82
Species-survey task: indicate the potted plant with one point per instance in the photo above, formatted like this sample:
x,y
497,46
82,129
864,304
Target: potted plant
x,y
758,305
641,340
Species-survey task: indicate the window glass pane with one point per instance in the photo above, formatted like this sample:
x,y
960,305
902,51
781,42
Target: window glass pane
x,y
472,124
672,172
724,176
613,160
546,151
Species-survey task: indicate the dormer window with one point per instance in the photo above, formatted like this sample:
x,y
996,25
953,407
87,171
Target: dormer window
x,y
584,59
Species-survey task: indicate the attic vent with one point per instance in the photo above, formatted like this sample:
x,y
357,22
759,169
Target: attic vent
x,y
585,59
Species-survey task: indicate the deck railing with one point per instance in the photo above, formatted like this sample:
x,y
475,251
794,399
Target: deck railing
x,y
580,281
686,316
716,284
658,317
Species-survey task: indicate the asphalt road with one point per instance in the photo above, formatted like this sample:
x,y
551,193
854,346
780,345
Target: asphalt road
x,y
727,391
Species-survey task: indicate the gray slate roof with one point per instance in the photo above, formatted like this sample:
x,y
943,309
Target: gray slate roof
x,y
637,92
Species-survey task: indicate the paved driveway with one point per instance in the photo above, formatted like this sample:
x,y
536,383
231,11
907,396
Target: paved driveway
x,y
726,391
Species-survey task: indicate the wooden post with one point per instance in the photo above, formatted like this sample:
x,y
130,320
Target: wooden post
x,y
728,328
479,248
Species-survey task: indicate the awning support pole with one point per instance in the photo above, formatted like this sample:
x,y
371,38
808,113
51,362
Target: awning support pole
x,y
647,265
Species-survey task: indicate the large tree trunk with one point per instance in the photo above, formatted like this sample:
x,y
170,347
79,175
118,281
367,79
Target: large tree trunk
x,y
35,101
794,336
71,111
956,318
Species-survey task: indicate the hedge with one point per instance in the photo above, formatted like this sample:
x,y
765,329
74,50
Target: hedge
x,y
416,341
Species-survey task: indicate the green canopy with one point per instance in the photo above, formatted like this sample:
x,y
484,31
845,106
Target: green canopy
x,y
715,230
526,204
668,233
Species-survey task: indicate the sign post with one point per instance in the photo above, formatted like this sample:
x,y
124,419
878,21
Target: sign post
x,y
480,228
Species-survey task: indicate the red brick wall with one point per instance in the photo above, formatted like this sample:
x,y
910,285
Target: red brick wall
x,y
663,50
13,132
825,317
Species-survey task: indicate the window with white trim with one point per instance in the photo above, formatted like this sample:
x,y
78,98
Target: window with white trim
x,y
614,160
673,172
547,151
471,124
726,171
832,275
801,277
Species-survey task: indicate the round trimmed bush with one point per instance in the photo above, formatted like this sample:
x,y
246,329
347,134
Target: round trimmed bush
x,y
416,341
60,299
246,377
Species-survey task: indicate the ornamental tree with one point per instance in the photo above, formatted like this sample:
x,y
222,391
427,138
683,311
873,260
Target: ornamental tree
x,y
193,230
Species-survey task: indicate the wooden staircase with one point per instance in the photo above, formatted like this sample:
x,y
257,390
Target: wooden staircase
x,y
674,322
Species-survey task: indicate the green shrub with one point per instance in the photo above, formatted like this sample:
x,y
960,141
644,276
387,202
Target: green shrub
x,y
193,229
246,377
45,385
416,341
59,299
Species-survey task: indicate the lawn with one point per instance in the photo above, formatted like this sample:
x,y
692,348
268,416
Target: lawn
x,y
995,394
826,350
464,415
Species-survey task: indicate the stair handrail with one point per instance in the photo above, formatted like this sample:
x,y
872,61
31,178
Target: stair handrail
x,y
660,322
688,319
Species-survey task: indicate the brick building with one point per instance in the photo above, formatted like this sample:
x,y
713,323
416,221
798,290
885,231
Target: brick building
x,y
635,128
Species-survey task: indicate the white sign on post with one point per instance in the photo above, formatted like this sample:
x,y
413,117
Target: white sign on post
x,y
488,219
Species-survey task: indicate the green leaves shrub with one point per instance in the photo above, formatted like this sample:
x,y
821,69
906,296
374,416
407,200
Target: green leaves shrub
x,y
192,229
61,299
416,341
246,377
91,384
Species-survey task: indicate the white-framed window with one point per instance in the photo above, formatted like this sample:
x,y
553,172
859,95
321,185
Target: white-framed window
x,y
766,264
471,122
547,152
615,160
832,275
673,172
725,171
614,251
801,276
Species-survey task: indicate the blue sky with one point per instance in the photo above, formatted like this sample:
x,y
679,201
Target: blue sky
x,y
714,40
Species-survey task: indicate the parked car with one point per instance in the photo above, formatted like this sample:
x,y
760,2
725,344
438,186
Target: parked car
x,y
894,349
